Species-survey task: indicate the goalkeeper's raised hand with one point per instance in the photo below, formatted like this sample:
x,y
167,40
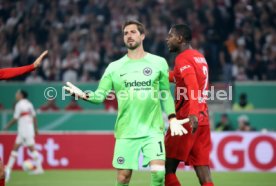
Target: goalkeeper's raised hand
x,y
75,91
176,126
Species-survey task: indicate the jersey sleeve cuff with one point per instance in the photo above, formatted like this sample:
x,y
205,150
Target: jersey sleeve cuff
x,y
171,116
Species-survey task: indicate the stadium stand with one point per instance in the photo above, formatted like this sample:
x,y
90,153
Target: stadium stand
x,y
84,36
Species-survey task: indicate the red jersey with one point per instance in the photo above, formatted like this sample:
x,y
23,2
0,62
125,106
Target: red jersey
x,y
190,75
8,73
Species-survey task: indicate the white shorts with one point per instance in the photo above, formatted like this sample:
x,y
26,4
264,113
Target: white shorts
x,y
26,140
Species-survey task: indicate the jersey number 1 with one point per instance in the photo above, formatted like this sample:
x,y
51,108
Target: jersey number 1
x,y
161,148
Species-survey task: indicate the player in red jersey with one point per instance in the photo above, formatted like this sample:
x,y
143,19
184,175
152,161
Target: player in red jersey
x,y
190,76
8,73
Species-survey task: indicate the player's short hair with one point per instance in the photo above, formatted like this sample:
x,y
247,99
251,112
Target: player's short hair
x,y
184,31
23,93
243,96
140,26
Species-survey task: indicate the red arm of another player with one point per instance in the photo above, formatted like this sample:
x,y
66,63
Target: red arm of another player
x,y
8,73
193,95
171,76
188,75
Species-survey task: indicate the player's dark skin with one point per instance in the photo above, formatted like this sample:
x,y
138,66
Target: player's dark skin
x,y
176,43
2,174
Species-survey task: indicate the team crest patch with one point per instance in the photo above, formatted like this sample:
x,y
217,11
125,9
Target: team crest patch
x,y
147,71
121,160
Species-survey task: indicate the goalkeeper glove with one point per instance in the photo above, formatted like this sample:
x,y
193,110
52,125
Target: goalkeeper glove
x,y
176,126
73,90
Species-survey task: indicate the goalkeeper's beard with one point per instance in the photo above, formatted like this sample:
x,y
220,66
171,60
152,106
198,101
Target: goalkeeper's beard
x,y
132,46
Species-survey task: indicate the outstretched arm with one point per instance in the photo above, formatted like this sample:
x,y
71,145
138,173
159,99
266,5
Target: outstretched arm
x,y
94,97
8,73
105,85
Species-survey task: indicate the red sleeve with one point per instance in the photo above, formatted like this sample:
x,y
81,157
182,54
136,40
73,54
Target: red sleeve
x,y
171,76
188,75
8,73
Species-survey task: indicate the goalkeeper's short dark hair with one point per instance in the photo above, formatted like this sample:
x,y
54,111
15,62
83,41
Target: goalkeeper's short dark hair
x,y
184,31
140,26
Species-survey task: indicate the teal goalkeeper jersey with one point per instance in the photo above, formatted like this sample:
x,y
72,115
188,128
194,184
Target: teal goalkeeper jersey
x,y
140,86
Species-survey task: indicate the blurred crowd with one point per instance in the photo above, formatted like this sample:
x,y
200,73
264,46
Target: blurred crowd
x,y
243,124
237,37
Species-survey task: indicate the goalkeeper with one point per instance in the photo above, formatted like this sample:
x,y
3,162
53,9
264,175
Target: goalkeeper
x,y
139,127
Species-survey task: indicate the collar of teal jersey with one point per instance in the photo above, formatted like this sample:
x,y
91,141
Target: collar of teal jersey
x,y
146,54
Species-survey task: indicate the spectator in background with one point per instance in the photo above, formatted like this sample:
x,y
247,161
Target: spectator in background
x,y
246,27
6,58
52,66
70,75
34,78
86,77
50,105
90,59
226,63
224,124
22,59
243,104
70,66
244,124
240,57
73,106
